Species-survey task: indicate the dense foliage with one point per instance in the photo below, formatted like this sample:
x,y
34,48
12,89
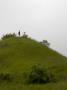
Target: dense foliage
x,y
8,36
38,75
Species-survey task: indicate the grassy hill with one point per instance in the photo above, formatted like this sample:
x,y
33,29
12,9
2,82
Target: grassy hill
x,y
18,55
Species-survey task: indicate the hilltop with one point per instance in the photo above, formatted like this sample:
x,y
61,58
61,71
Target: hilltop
x,y
18,55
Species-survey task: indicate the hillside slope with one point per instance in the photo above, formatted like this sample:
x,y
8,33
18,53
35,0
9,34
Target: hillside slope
x,y
18,55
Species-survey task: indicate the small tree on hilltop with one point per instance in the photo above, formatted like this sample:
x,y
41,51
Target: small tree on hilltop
x,y
45,42
9,36
25,35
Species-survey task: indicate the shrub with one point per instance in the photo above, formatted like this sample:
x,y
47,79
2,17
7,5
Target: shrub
x,y
5,77
45,42
25,35
8,36
38,76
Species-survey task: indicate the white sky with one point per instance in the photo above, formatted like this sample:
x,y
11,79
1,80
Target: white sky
x,y
41,19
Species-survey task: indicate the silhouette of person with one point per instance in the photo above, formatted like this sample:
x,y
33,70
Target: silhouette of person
x,y
19,33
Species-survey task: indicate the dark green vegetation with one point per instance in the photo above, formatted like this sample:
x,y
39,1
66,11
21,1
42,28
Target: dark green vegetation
x,y
18,55
38,75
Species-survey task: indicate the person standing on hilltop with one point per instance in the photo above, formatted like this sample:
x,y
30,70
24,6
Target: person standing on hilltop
x,y
19,33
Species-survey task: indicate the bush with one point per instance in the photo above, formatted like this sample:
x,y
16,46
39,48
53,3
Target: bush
x,y
8,36
5,77
38,76
25,35
45,42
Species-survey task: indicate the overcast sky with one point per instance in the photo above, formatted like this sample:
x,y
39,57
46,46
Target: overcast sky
x,y
41,19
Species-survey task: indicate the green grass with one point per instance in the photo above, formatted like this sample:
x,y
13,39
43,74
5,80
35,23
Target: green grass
x,y
51,86
18,55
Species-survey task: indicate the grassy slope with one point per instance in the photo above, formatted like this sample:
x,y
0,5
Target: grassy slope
x,y
18,55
